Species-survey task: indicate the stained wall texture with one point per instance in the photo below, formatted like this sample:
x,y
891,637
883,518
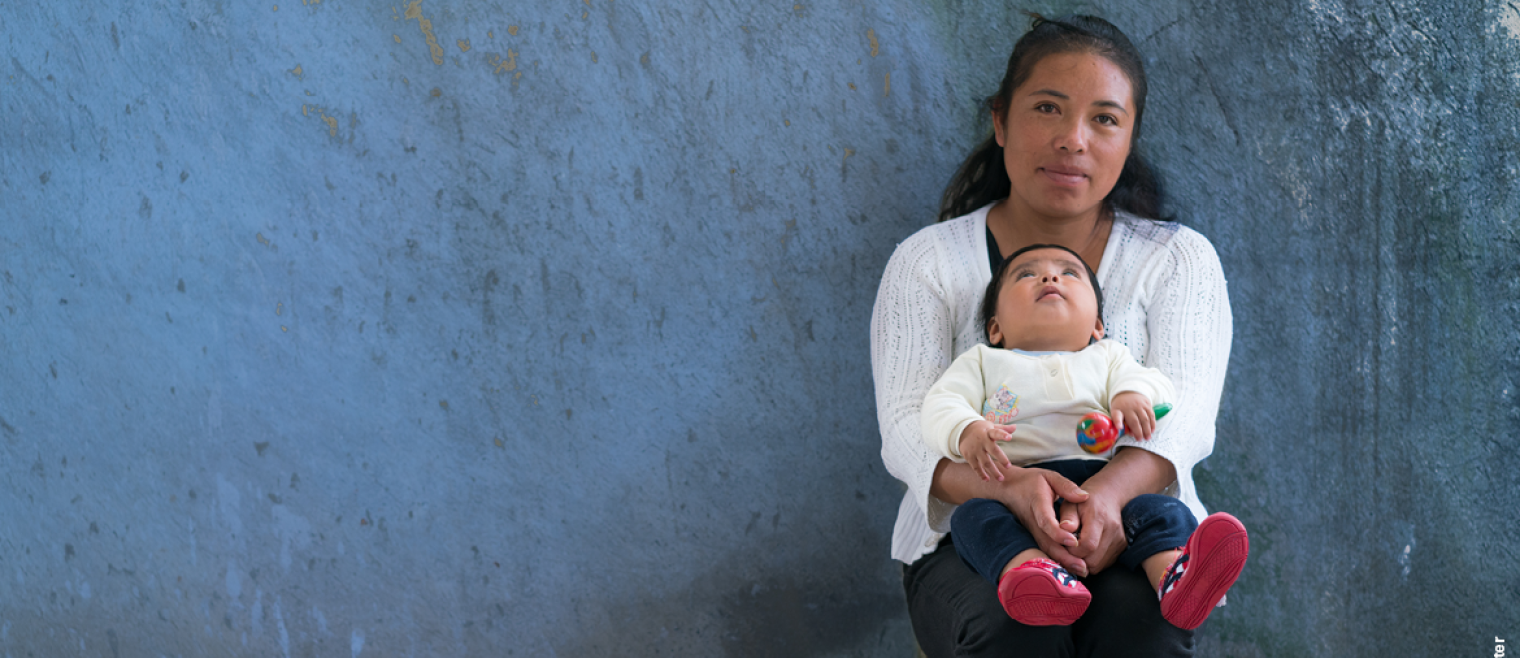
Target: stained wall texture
x,y
448,327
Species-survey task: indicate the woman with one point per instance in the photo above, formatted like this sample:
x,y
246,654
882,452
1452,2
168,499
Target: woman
x,y
1060,168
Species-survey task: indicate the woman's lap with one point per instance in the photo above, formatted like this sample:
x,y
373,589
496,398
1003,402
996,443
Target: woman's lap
x,y
955,612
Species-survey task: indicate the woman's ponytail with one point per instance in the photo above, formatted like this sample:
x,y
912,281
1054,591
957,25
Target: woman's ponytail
x,y
982,179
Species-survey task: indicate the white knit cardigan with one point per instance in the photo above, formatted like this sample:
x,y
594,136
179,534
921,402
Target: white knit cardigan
x,y
1163,297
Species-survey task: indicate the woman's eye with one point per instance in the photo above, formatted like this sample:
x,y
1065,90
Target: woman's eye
x,y
1108,120
1046,108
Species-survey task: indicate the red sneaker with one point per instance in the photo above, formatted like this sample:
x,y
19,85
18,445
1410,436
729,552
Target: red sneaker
x,y
1041,593
1208,566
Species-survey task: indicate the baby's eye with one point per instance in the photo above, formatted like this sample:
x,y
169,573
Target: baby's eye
x,y
1022,275
1070,273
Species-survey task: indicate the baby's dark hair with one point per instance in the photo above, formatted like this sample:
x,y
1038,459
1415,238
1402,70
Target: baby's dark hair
x,y
989,300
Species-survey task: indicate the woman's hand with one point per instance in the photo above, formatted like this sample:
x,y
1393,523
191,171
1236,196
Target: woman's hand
x,y
1030,493
1130,473
979,445
1101,530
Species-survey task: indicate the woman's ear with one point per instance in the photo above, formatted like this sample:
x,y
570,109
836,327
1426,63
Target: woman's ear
x,y
997,127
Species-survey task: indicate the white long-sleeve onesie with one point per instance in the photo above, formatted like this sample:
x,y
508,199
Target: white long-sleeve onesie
x,y
1164,298
1044,394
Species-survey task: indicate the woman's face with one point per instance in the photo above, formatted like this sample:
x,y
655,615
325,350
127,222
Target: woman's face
x,y
1066,135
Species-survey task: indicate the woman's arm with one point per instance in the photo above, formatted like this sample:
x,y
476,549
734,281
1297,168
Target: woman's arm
x,y
912,342
1189,330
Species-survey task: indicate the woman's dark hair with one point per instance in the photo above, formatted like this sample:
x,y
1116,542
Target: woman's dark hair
x,y
989,300
983,178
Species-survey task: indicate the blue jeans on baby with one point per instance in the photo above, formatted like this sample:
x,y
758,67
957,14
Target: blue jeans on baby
x,y
987,535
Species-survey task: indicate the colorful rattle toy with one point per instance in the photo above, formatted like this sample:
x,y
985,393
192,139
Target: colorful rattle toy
x,y
1096,433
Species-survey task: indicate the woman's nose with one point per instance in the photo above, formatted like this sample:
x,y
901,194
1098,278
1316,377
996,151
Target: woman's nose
x,y
1072,138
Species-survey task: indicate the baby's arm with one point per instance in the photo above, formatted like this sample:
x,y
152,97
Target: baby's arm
x,y
1134,389
951,424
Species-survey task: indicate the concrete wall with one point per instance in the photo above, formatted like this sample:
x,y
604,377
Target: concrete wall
x,y
454,328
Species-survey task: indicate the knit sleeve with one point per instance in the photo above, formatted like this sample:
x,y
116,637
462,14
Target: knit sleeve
x,y
1189,331
1125,374
912,343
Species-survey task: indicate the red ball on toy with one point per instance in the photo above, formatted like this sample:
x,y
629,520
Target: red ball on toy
x,y
1096,433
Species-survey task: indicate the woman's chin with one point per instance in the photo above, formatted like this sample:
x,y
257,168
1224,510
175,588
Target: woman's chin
x,y
1066,204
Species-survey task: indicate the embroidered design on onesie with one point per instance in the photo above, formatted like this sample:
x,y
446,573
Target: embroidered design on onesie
x,y
1002,407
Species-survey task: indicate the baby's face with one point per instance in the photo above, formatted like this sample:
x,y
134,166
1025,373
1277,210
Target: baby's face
x,y
1046,303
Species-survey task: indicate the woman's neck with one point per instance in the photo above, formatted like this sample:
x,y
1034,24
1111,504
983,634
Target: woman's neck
x,y
1086,234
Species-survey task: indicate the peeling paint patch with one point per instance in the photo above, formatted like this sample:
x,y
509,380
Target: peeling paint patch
x,y
294,532
503,65
234,581
875,46
332,128
1509,17
414,12
279,617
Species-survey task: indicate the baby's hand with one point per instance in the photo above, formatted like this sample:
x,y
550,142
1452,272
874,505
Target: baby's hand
x,y
979,445
1132,413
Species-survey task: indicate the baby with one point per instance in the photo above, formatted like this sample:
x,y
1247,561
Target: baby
x,y
1046,367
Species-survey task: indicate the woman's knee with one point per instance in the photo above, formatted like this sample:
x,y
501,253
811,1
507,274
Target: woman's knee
x,y
1124,619
955,612
994,633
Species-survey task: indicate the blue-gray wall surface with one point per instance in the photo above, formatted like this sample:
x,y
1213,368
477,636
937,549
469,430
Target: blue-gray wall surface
x,y
447,327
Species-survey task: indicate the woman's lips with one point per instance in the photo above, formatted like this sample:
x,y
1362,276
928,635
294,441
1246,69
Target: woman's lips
x,y
1063,176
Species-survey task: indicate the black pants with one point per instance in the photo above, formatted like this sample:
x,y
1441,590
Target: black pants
x,y
955,612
